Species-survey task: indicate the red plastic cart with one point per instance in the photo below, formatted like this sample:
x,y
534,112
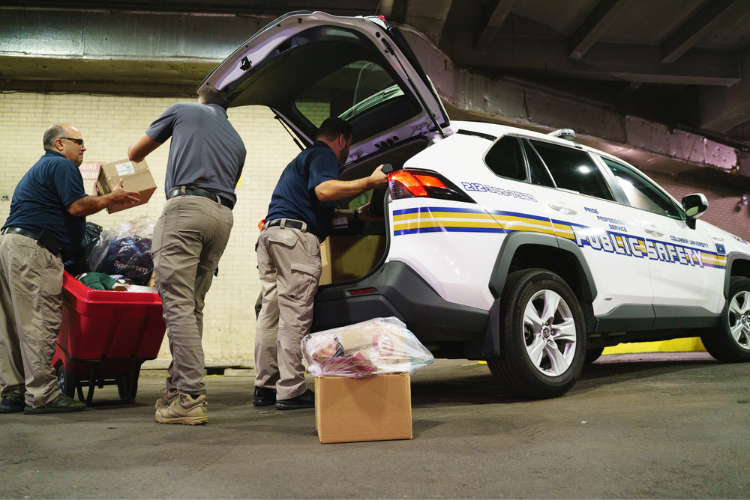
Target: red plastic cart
x,y
104,339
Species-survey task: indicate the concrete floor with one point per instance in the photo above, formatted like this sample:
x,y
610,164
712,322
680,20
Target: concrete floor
x,y
648,426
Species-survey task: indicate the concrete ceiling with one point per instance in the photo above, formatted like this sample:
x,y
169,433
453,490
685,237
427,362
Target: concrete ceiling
x,y
615,69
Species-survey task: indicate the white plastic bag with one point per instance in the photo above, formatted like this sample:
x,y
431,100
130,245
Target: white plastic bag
x,y
380,345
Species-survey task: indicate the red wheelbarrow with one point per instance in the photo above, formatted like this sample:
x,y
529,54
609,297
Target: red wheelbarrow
x,y
104,339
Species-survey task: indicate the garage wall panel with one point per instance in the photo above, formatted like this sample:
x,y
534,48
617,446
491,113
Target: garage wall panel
x,y
109,124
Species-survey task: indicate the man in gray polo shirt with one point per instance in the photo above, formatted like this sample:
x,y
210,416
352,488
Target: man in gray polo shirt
x,y
206,157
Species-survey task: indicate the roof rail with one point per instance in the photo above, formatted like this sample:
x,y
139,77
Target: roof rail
x,y
564,133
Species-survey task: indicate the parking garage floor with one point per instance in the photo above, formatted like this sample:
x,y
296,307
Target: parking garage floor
x,y
646,426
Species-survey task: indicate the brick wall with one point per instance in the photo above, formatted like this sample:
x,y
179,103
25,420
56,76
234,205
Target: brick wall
x,y
723,209
109,125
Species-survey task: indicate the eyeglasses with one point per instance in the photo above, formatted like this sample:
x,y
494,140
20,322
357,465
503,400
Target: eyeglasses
x,y
77,141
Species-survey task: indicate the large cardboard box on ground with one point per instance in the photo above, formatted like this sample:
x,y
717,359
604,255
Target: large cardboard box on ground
x,y
136,176
363,409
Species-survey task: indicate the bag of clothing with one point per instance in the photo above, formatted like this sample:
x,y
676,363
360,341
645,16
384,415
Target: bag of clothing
x,y
125,251
380,345
79,264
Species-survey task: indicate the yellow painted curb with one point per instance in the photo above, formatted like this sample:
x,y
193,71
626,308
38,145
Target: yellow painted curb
x,y
676,345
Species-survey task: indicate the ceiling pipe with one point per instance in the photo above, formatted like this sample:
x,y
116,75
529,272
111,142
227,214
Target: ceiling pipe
x,y
385,7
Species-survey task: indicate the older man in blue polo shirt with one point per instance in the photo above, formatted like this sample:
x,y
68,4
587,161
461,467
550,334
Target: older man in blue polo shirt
x,y
45,226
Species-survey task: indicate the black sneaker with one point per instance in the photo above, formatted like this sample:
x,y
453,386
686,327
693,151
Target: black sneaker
x,y
304,400
61,404
264,397
12,401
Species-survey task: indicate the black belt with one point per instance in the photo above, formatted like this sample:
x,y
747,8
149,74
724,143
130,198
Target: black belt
x,y
200,192
295,224
45,239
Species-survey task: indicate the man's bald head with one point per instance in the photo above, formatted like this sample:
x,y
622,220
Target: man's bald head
x,y
55,132
66,140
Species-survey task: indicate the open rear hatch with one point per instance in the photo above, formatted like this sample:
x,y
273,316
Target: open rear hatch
x,y
307,66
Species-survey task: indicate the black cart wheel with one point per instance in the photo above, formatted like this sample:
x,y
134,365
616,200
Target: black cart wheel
x,y
542,335
127,384
66,382
730,342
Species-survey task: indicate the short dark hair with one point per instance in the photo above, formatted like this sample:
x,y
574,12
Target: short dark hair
x,y
210,95
332,128
51,135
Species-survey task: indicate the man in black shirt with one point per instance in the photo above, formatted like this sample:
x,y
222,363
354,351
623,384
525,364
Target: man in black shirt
x,y
289,265
45,226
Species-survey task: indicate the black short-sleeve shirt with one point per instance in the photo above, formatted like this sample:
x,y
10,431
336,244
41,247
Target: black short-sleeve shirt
x,y
294,196
41,198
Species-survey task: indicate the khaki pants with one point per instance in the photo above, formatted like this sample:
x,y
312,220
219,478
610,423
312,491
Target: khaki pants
x,y
30,317
289,267
189,239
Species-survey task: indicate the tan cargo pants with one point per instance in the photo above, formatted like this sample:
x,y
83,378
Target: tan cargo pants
x,y
289,267
189,239
30,317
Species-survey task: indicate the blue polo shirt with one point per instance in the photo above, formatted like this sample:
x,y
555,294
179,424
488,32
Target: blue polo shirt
x,y
40,201
294,196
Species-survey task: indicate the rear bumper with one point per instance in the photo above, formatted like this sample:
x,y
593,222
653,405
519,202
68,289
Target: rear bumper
x,y
400,292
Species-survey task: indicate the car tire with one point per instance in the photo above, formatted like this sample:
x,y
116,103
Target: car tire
x,y
592,355
541,354
730,343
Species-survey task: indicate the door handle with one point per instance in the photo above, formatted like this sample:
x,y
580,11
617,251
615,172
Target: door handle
x,y
653,230
560,207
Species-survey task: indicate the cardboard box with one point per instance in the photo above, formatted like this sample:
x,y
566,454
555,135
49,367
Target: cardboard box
x,y
325,261
352,257
136,177
363,409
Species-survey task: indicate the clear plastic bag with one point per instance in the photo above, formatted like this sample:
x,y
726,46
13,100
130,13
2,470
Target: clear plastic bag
x,y
125,251
380,345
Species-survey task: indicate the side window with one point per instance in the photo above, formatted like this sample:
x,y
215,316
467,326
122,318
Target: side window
x,y
537,170
573,170
506,160
641,193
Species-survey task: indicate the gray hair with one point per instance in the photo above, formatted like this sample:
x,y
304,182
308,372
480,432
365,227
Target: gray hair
x,y
51,135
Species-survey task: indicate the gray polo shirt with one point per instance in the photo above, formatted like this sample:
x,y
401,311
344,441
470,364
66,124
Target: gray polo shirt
x,y
206,151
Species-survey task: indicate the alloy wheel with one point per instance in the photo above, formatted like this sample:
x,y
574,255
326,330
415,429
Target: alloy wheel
x,y
549,332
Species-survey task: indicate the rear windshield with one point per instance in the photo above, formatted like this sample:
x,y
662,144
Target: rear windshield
x,y
348,93
325,72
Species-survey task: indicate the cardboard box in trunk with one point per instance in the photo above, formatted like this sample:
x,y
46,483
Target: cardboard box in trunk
x,y
363,409
136,176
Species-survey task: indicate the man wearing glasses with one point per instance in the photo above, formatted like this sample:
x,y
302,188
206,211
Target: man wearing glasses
x,y
45,226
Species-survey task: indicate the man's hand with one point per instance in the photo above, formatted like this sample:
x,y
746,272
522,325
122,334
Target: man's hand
x,y
339,190
378,179
95,191
118,194
364,213
92,204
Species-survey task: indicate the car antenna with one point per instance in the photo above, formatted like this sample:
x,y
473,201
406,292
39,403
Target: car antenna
x,y
564,133
276,116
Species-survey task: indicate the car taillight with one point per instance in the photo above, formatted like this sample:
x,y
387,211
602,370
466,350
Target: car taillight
x,y
422,183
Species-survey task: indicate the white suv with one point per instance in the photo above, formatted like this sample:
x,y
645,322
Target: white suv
x,y
527,250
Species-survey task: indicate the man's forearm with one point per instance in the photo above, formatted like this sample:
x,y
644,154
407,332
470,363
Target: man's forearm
x,y
338,190
90,205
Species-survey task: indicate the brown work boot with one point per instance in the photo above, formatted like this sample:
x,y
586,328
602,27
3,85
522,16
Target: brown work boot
x,y
166,399
184,410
